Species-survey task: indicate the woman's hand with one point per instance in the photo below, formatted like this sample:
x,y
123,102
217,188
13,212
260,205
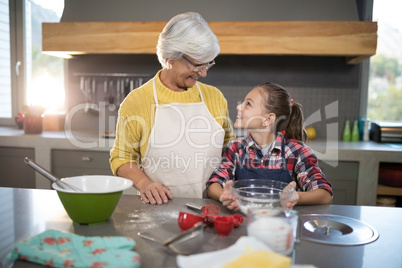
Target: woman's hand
x,y
227,199
150,191
294,198
155,193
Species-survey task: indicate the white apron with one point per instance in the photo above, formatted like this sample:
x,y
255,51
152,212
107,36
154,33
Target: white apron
x,y
185,146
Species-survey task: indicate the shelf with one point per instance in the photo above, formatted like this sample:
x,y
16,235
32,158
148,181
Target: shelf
x,y
118,75
387,190
354,40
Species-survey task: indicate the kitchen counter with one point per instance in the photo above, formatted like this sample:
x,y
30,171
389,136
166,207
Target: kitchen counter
x,y
89,140
28,212
367,154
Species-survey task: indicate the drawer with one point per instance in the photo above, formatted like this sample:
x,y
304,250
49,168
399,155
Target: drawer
x,y
15,173
68,163
63,172
80,159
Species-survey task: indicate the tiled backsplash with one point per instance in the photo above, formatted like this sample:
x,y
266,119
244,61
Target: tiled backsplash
x,y
326,87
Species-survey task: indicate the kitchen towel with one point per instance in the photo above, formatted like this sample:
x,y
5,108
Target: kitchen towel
x,y
59,249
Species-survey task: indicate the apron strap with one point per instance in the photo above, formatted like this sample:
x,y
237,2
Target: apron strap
x,y
154,89
282,155
199,90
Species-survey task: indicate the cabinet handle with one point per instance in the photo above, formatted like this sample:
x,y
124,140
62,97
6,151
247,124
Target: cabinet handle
x,y
86,158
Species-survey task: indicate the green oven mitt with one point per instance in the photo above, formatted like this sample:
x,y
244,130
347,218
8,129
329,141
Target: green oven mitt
x,y
58,249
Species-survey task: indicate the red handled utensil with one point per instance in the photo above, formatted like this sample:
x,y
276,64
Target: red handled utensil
x,y
188,220
211,211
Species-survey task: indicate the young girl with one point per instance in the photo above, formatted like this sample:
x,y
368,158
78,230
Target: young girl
x,y
266,113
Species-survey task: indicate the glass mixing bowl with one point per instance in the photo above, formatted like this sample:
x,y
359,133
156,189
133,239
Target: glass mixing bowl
x,y
260,193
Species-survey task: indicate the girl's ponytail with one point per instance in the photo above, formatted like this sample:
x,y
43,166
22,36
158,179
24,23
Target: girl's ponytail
x,y
295,129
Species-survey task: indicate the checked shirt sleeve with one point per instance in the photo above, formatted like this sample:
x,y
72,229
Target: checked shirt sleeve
x,y
309,175
225,171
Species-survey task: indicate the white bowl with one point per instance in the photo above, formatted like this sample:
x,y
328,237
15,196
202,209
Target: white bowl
x,y
96,184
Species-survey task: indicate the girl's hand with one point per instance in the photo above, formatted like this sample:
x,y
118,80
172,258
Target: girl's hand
x,y
227,199
294,198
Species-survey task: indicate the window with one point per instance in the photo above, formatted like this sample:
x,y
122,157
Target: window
x,y
45,85
385,80
27,76
5,61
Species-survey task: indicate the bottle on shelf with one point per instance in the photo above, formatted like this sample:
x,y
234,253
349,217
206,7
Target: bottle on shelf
x,y
355,131
366,130
361,124
346,131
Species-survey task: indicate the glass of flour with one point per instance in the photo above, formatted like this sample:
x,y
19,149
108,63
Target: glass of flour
x,y
274,227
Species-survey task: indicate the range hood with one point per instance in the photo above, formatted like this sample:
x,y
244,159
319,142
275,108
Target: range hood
x,y
354,40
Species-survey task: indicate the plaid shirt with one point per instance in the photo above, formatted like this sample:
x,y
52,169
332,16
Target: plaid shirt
x,y
301,162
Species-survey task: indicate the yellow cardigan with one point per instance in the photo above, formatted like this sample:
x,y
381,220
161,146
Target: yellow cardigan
x,y
137,113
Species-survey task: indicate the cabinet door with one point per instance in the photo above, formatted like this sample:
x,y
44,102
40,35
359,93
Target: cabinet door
x,y
67,163
14,172
343,177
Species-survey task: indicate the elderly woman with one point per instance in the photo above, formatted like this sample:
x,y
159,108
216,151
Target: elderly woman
x,y
171,130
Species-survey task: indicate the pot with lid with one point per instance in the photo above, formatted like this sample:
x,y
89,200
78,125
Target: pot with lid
x,y
390,174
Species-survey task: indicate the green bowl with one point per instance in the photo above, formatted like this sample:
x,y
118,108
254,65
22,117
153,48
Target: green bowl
x,y
89,208
97,200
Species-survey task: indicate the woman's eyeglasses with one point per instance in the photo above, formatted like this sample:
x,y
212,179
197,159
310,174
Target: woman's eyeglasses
x,y
198,68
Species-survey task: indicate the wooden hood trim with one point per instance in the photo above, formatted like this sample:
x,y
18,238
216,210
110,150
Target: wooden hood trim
x,y
354,40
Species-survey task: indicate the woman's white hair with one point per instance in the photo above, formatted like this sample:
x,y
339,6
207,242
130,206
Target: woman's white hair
x,y
187,34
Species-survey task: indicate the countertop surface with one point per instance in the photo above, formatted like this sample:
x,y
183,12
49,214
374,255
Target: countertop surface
x,y
28,212
70,140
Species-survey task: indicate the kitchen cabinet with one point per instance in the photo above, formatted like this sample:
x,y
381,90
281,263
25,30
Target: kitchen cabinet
x,y
354,40
343,176
389,176
388,186
14,172
66,163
